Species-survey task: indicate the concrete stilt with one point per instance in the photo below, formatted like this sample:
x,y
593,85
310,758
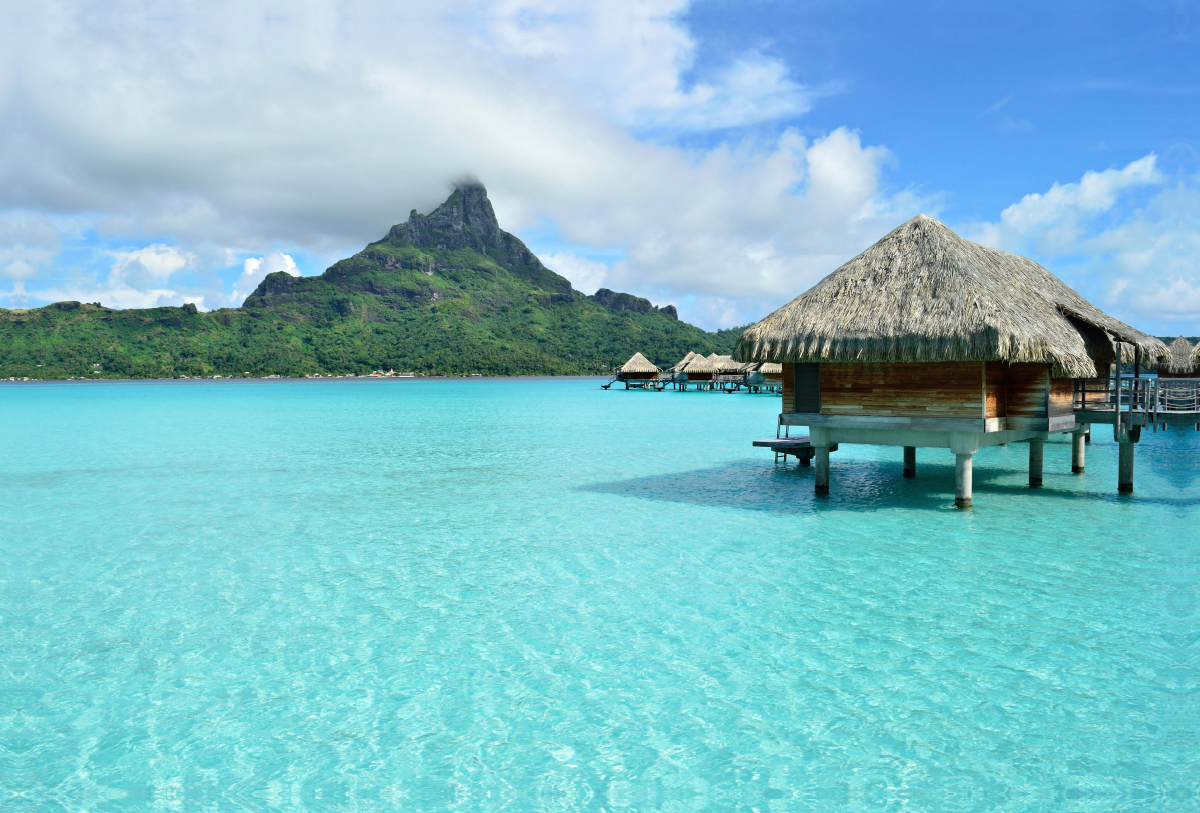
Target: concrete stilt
x,y
1087,433
805,458
962,480
1037,448
910,461
1125,467
1077,450
822,478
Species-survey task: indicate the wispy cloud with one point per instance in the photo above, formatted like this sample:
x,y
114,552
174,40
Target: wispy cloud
x,y
997,107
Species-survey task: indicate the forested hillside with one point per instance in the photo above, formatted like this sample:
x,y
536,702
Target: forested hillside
x,y
444,293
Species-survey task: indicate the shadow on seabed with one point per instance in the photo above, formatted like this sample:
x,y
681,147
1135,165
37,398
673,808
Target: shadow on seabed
x,y
755,485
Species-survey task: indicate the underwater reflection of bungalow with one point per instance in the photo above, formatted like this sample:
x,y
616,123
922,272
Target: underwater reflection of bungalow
x,y
927,339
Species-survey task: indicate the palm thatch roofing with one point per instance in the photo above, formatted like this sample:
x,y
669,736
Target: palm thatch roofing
x,y
683,362
1196,355
1183,358
725,364
698,364
770,368
639,364
924,294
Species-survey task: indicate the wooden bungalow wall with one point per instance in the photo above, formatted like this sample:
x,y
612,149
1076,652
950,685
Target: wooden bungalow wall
x,y
1028,390
943,390
970,389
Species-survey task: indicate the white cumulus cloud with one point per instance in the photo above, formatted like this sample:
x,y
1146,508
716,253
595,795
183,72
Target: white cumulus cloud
x,y
585,275
1127,238
231,127
255,269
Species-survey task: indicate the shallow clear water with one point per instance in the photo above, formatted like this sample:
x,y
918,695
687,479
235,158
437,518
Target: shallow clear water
x,y
537,595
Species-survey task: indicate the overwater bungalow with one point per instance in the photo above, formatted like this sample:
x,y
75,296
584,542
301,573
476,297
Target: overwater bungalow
x,y
929,340
772,374
638,372
726,365
1183,361
697,370
728,374
679,365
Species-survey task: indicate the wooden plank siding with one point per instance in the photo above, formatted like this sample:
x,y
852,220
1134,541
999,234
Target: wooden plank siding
x,y
945,389
1062,394
789,388
975,390
1028,390
995,389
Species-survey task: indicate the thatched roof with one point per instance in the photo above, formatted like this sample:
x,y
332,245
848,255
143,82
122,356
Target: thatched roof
x,y
639,364
725,364
698,364
1182,358
770,368
1196,355
683,361
924,294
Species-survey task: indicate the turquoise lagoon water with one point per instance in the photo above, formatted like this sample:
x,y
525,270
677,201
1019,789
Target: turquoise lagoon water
x,y
537,595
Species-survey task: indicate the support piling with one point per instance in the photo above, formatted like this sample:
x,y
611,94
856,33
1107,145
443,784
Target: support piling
x,y
1037,448
962,480
1125,467
822,475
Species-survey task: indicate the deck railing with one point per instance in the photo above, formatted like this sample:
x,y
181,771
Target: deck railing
x,y
1107,394
1153,396
1178,395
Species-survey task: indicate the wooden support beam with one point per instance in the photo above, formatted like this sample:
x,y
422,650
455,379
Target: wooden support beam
x,y
962,480
910,461
1125,467
1077,449
822,478
1037,449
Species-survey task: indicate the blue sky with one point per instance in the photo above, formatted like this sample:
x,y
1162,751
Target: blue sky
x,y
720,156
986,102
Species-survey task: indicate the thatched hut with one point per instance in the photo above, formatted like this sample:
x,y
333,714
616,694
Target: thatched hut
x,y
1183,361
637,370
726,365
698,370
772,373
927,339
683,362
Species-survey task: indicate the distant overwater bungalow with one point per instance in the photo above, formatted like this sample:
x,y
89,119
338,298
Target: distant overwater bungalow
x,y
928,340
1182,362
695,370
639,373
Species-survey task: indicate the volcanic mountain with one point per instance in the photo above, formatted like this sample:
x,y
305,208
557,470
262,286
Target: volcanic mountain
x,y
448,292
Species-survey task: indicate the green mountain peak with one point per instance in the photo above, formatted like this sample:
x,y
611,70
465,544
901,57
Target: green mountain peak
x,y
447,292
